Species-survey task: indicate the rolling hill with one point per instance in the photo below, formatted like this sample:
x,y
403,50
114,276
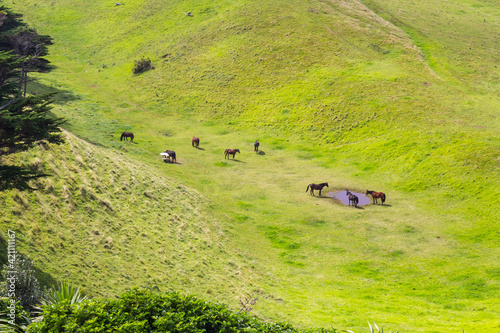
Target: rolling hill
x,y
379,95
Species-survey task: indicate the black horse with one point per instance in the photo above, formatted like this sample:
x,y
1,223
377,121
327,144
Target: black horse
x,y
316,187
256,146
352,198
126,135
228,152
171,156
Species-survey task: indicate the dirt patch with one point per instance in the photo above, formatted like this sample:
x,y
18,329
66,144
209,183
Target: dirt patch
x,y
342,197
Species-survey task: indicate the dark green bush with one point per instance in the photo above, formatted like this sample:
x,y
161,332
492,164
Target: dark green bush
x,y
13,318
141,311
142,65
19,279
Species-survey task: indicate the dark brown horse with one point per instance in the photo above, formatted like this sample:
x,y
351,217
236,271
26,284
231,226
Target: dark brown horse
x,y
228,152
352,198
316,187
195,142
126,135
256,146
376,195
171,156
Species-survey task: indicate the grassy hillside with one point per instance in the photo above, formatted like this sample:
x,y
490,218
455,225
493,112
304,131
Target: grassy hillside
x,y
108,223
392,97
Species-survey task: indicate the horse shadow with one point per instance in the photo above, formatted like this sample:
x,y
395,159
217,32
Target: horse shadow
x,y
261,152
200,148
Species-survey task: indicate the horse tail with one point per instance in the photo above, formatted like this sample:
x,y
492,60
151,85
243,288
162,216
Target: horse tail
x,y
307,189
121,137
383,198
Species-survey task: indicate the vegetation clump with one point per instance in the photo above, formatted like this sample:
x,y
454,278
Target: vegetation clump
x,y
142,65
141,311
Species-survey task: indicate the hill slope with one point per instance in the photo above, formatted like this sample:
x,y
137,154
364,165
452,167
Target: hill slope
x,y
107,223
335,93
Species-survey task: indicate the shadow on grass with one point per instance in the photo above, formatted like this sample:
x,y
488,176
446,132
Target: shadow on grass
x,y
44,278
16,177
261,152
62,96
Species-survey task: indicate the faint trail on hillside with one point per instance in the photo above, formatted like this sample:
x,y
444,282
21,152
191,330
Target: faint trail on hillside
x,y
393,21
137,106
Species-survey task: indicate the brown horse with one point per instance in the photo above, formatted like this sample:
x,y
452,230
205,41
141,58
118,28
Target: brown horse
x,y
126,135
352,198
171,156
228,152
195,142
256,146
376,195
316,187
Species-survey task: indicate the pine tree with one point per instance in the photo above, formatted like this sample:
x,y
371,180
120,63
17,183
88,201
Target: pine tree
x,y
24,119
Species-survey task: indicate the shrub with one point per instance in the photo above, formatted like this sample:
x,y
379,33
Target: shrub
x,y
19,278
63,291
142,65
141,311
13,318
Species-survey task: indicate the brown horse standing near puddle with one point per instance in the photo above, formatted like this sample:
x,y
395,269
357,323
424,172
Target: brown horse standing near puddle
x,y
228,152
376,195
195,142
126,135
352,198
316,187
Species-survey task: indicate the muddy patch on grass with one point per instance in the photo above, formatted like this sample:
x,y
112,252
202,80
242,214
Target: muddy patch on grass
x,y
343,198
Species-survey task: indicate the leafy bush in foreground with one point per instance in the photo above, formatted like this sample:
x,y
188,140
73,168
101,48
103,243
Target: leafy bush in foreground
x,y
142,311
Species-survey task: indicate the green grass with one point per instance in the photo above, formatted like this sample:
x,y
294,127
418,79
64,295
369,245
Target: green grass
x,y
333,93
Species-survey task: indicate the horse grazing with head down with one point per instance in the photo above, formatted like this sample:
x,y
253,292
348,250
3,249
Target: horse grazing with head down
x,y
171,156
256,146
316,187
352,198
228,152
195,142
126,135
376,195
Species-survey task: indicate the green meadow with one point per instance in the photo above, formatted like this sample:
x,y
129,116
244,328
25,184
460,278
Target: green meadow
x,y
399,97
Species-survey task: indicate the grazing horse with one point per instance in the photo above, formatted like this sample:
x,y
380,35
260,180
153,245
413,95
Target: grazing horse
x,y
256,146
316,187
376,195
352,198
126,135
228,152
171,156
195,142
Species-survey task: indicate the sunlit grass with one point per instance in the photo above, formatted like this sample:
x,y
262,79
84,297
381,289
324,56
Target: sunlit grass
x,y
333,94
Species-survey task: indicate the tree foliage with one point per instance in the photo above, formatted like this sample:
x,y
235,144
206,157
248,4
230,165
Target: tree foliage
x,y
24,119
